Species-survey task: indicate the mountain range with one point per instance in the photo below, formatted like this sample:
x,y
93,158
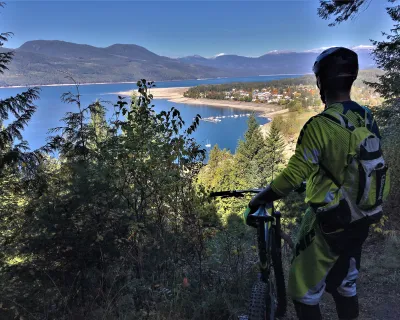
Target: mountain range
x,y
42,62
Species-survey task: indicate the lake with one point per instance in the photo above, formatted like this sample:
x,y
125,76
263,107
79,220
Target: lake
x,y
225,133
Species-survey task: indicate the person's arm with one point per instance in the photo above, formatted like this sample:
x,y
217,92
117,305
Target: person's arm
x,y
305,160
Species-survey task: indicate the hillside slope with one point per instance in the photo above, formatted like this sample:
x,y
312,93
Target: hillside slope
x,y
49,62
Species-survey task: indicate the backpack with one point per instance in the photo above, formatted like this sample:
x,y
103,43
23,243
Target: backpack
x,y
366,179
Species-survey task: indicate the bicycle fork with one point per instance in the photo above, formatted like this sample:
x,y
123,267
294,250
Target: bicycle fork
x,y
263,243
263,234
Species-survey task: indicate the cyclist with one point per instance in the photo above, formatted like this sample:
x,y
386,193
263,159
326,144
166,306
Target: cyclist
x,y
328,246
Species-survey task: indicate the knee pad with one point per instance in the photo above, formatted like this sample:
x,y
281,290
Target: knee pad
x,y
346,307
307,312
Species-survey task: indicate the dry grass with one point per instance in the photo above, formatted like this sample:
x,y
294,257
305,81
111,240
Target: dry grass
x,y
300,118
297,120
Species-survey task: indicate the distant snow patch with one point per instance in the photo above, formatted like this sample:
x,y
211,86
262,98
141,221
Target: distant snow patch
x,y
360,47
279,51
363,47
318,50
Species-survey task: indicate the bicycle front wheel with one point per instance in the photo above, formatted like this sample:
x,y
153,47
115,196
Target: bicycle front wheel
x,y
259,303
268,299
263,304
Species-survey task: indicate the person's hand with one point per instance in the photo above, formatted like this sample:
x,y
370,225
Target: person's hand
x,y
260,199
254,204
264,197
250,220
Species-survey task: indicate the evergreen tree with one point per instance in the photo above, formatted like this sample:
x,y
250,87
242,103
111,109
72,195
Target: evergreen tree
x,y
98,123
13,147
214,157
275,146
341,10
253,139
218,174
387,57
251,157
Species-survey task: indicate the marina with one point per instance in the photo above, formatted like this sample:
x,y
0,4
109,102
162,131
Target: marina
x,y
217,119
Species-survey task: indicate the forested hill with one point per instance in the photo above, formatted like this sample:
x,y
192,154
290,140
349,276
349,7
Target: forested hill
x,y
48,62
307,80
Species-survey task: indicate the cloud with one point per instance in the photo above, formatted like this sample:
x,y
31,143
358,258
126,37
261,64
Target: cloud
x,y
363,47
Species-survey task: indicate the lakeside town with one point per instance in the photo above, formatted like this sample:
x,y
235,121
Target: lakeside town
x,y
268,94
293,94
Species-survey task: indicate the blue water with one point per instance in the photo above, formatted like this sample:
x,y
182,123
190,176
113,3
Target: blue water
x,y
225,133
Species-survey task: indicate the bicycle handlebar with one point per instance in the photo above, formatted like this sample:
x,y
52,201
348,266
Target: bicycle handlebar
x,y
234,193
241,193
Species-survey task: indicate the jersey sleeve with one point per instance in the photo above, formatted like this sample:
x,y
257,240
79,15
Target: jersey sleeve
x,y
305,160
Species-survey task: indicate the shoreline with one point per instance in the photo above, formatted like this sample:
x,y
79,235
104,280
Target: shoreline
x,y
175,95
66,84
134,82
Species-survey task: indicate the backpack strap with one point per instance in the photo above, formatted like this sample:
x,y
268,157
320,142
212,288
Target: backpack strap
x,y
330,175
343,122
369,120
344,125
330,117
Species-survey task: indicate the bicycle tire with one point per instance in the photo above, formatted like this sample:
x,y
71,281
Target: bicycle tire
x,y
278,273
259,301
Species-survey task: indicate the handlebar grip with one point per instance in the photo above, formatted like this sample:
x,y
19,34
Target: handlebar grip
x,y
223,194
234,193
219,193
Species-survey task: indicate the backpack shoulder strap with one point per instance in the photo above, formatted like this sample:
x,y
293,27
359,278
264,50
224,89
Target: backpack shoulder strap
x,y
343,121
369,121
330,117
342,125
330,175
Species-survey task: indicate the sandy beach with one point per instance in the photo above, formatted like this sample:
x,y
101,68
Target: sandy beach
x,y
176,95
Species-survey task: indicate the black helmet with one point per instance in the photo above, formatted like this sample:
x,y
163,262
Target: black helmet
x,y
336,62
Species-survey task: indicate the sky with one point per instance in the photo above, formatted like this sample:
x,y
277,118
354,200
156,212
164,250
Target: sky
x,y
181,28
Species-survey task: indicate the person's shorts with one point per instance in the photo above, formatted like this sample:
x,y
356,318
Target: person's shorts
x,y
325,262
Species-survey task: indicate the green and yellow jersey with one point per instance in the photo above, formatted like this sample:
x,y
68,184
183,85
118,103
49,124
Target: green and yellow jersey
x,y
322,146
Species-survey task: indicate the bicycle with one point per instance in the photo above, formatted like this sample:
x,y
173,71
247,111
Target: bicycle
x,y
268,297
